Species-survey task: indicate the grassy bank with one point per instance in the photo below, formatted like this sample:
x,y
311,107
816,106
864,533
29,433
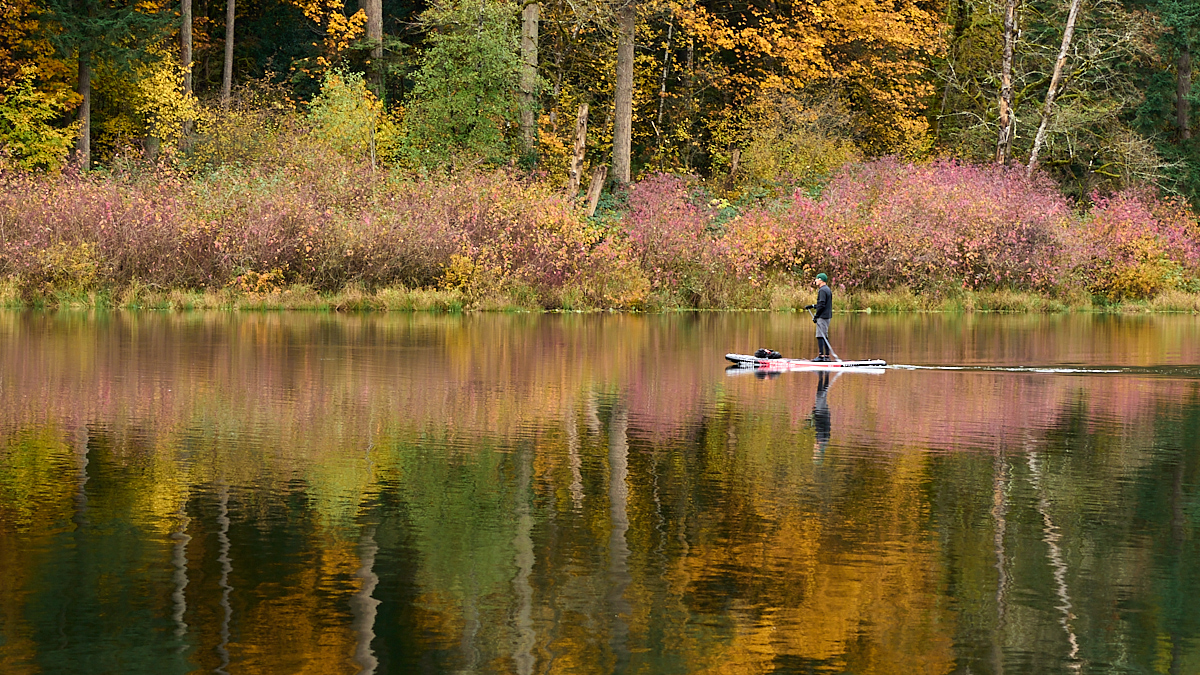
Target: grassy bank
x,y
397,299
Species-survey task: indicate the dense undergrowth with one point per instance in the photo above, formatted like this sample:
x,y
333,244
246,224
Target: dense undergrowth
x,y
327,232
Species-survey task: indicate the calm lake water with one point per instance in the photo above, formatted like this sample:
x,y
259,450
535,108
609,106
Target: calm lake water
x,y
287,493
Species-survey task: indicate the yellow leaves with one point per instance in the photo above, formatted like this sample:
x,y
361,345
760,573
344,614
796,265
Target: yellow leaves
x,y
339,30
161,101
27,134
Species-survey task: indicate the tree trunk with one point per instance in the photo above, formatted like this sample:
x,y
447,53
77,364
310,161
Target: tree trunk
x,y
1055,82
576,174
374,11
1183,87
185,43
623,115
227,72
83,147
662,82
596,187
1007,122
185,57
529,74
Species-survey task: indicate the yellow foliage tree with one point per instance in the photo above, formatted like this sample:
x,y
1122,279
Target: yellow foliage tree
x,y
338,32
163,104
28,139
869,54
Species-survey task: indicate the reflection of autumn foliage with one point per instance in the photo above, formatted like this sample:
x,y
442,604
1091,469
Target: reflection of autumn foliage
x,y
403,439
493,374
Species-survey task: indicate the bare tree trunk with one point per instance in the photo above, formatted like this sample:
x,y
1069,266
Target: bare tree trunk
x,y
576,173
597,185
83,147
1007,122
227,72
1055,82
1183,87
623,119
529,74
374,11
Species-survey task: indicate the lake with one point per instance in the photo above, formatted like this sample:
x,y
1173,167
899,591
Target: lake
x,y
596,493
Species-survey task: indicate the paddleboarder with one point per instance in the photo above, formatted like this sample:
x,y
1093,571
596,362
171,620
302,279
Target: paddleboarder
x,y
822,313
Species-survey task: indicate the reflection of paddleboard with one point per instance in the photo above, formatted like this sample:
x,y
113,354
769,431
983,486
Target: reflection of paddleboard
x,y
781,365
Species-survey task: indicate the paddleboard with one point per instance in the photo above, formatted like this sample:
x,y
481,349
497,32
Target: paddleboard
x,y
778,365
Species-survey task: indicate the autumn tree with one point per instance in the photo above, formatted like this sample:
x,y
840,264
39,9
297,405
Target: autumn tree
x,y
92,31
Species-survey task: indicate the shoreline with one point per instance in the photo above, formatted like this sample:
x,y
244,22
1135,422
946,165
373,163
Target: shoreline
x,y
301,298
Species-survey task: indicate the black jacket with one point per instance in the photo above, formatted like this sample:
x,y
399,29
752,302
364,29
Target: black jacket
x,y
824,303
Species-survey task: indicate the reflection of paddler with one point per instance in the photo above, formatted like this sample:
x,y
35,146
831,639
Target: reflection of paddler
x,y
822,423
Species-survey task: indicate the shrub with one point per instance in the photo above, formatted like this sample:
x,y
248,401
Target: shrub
x,y
1135,245
670,237
935,226
349,118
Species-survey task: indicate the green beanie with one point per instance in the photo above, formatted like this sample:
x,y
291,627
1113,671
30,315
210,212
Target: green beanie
x,y
823,277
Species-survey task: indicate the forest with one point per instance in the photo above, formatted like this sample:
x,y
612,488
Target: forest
x,y
619,153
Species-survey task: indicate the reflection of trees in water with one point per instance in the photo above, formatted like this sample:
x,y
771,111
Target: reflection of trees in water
x,y
729,547
523,541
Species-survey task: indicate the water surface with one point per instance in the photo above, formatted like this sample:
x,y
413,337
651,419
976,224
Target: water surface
x,y
407,493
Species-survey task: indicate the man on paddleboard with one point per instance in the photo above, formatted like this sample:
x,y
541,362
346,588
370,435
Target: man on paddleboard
x,y
822,313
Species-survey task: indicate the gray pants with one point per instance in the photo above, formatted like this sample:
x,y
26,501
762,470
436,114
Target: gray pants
x,y
823,328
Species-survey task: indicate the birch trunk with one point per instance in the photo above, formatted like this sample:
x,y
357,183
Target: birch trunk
x,y
662,82
1055,83
1007,123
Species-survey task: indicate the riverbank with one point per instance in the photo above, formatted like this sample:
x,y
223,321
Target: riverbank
x,y
397,299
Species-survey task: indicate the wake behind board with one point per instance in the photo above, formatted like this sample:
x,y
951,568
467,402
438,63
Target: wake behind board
x,y
778,365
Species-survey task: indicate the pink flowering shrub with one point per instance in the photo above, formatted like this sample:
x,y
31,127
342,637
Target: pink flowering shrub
x,y
670,237
885,224
1133,245
328,223
487,234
